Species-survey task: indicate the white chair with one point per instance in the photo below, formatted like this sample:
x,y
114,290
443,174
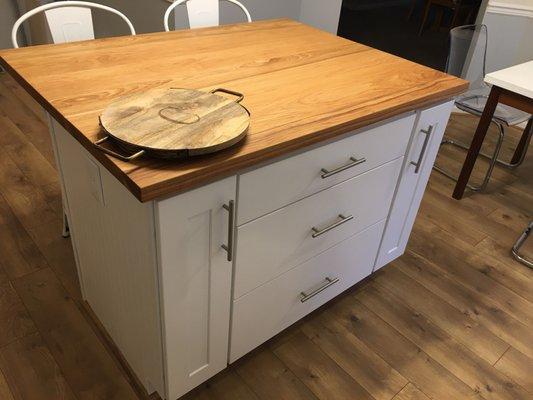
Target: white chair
x,y
202,13
68,21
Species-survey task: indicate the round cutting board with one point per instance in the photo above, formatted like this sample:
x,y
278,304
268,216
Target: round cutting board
x,y
177,122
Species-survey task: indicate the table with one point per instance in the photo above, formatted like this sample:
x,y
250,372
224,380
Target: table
x,y
511,86
211,256
302,86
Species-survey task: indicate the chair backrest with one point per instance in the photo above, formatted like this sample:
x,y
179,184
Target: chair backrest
x,y
468,53
202,13
69,21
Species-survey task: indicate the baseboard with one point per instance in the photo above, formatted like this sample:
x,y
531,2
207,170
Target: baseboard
x,y
508,8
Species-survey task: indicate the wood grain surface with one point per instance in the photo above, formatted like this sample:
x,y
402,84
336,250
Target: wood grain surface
x,y
302,86
175,122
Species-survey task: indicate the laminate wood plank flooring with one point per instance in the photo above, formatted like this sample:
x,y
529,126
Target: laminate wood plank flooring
x,y
451,319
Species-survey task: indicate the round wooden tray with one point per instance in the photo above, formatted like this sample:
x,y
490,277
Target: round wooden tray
x,y
174,123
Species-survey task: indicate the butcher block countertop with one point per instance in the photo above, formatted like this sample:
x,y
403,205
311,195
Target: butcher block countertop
x,y
301,86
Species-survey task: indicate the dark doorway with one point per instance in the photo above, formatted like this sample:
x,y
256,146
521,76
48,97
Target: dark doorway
x,y
399,26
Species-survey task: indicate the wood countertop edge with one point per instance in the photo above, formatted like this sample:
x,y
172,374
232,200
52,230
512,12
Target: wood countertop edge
x,y
195,179
82,139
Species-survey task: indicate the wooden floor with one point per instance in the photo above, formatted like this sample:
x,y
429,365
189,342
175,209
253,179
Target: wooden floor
x,y
451,319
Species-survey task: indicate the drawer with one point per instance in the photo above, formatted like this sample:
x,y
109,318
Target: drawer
x,y
270,245
273,186
269,309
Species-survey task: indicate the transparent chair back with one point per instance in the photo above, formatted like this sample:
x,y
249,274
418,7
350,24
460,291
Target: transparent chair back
x,y
467,58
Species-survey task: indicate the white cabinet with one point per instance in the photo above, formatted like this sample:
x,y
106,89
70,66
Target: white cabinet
x,y
161,277
422,152
273,186
272,307
195,283
273,244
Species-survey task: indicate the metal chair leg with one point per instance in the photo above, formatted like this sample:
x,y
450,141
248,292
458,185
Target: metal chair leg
x,y
66,231
492,163
499,162
516,248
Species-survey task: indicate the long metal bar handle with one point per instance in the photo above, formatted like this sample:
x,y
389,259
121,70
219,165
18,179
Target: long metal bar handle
x,y
354,161
114,154
232,92
329,282
418,164
230,208
317,232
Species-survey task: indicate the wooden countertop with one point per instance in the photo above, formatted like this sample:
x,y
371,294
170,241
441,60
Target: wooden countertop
x,y
301,85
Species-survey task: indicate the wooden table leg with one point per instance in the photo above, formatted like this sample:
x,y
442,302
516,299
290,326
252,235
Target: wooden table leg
x,y
524,142
477,141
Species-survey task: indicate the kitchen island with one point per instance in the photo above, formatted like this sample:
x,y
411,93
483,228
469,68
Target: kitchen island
x,y
191,264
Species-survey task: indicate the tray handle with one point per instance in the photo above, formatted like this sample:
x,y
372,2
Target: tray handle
x,y
227,91
114,154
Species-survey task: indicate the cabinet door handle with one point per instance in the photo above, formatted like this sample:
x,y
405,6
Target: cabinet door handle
x,y
353,162
418,164
230,208
328,282
317,232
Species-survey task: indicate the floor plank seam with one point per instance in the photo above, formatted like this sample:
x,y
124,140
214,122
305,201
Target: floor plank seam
x,y
505,352
486,296
422,351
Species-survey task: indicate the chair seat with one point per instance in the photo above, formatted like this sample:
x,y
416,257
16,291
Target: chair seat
x,y
474,102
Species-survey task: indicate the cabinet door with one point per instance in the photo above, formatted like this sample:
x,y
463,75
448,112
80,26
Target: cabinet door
x,y
418,164
195,283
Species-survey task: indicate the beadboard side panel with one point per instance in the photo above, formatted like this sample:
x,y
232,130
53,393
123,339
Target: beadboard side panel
x,y
114,237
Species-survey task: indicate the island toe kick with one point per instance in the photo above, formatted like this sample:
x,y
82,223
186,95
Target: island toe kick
x,y
187,284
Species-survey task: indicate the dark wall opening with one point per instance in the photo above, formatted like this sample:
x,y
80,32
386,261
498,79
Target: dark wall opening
x,y
413,29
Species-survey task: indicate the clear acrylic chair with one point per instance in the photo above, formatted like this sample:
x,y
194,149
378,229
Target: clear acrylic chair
x,y
68,21
467,60
202,13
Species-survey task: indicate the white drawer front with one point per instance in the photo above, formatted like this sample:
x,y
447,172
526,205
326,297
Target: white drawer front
x,y
274,243
274,306
271,187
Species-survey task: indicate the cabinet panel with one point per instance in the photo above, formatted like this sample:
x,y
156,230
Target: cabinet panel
x,y
114,243
417,168
277,242
195,283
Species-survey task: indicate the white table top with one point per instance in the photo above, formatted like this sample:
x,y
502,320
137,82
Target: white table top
x,y
518,79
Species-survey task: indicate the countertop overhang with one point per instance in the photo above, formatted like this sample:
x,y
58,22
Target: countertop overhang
x,y
301,85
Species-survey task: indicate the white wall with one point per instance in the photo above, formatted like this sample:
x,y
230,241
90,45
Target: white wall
x,y
147,15
8,16
322,14
510,27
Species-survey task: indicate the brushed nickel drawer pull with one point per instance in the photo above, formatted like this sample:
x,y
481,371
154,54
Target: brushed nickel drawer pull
x,y
329,282
230,207
317,232
418,164
354,161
